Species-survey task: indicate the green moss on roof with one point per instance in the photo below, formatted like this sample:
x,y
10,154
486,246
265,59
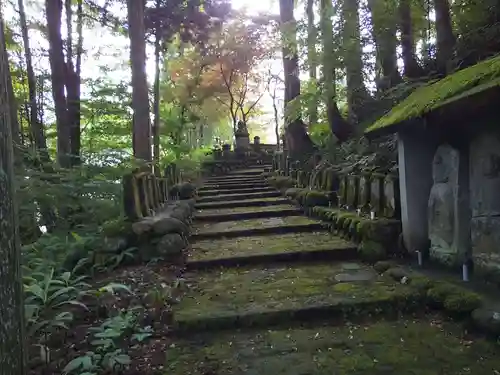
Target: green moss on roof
x,y
465,82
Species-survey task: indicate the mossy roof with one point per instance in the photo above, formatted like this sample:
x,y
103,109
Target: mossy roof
x,y
466,82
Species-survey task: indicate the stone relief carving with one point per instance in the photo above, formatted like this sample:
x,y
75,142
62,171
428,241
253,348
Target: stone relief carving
x,y
442,201
485,199
485,175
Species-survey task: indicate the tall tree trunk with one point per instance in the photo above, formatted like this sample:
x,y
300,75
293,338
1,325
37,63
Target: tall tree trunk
x,y
312,59
276,119
338,125
298,141
73,80
141,126
358,97
12,345
412,69
156,97
384,26
445,37
14,123
58,70
36,127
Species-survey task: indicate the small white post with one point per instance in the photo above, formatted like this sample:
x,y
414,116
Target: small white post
x,y
372,215
465,272
347,208
419,258
358,211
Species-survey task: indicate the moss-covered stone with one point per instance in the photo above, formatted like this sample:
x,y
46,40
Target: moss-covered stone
x,y
250,224
316,198
406,346
281,182
382,266
342,192
392,208
364,192
397,273
372,251
242,203
352,194
257,290
292,192
239,196
380,230
472,80
118,227
267,245
242,210
455,300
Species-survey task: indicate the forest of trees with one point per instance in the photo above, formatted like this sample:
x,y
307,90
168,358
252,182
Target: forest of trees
x,y
71,125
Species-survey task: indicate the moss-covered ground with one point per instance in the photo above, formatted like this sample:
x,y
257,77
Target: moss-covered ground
x,y
266,245
241,291
412,346
250,224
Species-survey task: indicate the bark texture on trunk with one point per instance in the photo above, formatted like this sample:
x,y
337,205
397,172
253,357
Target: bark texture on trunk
x,y
445,38
384,26
298,141
12,348
73,84
58,76
156,100
36,127
141,126
357,96
338,125
412,68
312,58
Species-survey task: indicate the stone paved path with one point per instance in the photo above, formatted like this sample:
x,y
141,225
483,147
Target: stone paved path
x,y
270,291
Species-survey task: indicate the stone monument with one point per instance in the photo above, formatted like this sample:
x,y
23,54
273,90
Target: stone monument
x,y
242,137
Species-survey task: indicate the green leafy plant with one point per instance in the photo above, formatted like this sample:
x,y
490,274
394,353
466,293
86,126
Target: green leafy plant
x,y
107,338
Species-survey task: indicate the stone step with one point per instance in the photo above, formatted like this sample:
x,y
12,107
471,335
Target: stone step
x,y
235,179
251,171
236,190
259,202
240,213
233,185
253,250
235,197
231,298
431,345
249,227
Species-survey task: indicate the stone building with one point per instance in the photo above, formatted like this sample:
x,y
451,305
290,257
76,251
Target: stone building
x,y
449,166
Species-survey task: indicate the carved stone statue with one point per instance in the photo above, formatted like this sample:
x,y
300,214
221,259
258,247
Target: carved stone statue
x,y
485,199
442,203
242,137
241,129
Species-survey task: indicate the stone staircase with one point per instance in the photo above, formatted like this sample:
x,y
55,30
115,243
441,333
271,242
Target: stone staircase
x,y
271,291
